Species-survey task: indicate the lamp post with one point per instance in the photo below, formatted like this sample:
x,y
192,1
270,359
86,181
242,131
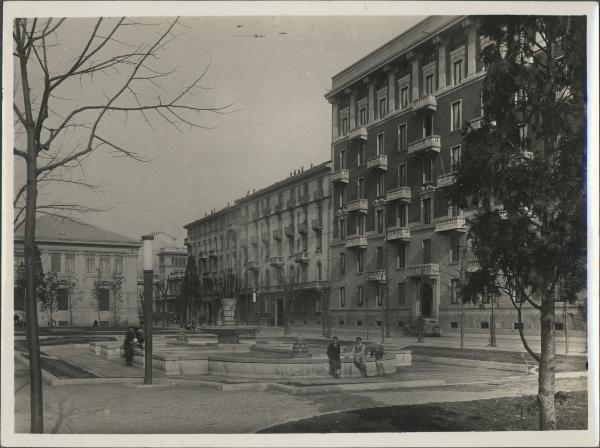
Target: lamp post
x,y
148,293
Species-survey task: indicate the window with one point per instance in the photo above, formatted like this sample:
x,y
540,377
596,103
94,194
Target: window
x,y
319,241
456,115
429,84
342,297
360,159
380,185
379,297
359,296
454,249
103,299
454,291
342,229
427,211
342,166
379,219
342,263
404,97
55,263
454,157
402,136
360,225
426,251
401,260
70,263
457,72
360,259
342,197
380,149
360,188
119,263
267,278
481,104
104,264
402,218
401,294
427,169
344,126
359,323
62,299
90,264
427,125
382,107
453,324
379,256
362,116
402,180
319,271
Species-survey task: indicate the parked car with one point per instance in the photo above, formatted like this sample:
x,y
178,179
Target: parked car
x,y
430,328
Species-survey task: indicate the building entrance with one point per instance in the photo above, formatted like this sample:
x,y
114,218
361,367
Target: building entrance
x,y
427,300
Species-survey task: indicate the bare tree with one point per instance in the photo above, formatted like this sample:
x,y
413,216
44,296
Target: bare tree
x,y
58,136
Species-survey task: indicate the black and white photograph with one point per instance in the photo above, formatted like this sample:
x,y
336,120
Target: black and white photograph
x,y
299,223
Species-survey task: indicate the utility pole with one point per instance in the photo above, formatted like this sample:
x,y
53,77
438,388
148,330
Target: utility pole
x,y
148,293
388,334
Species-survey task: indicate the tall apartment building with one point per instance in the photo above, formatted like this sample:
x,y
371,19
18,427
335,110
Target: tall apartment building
x,y
397,116
276,241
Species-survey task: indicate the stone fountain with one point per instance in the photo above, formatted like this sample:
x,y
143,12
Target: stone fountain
x,y
228,332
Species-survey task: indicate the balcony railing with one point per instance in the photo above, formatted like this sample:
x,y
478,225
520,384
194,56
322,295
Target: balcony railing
x,y
289,230
318,195
425,145
254,240
398,234
277,262
358,132
454,223
425,103
301,257
379,202
314,284
423,270
403,194
291,203
265,238
317,224
212,252
476,123
356,241
379,162
203,255
358,205
342,176
378,276
277,234
473,266
303,227
266,211
303,198
278,207
253,264
446,180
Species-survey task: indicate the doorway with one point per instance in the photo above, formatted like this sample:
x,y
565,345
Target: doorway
x,y
427,300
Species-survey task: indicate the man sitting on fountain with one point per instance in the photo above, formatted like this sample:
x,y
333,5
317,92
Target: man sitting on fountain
x,y
333,353
359,354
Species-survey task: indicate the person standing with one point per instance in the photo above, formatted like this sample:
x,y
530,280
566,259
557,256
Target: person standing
x,y
333,353
359,353
377,350
129,346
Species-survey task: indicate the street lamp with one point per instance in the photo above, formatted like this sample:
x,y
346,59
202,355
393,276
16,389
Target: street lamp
x,y
148,293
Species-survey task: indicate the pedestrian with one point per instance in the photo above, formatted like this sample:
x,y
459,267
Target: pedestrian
x,y
359,353
139,335
377,349
333,353
129,346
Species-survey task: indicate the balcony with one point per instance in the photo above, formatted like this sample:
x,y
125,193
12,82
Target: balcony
x,y
317,224
378,276
428,270
254,240
291,203
318,195
379,162
476,123
266,211
212,253
359,132
424,104
425,145
400,234
278,208
358,205
265,237
277,262
277,234
301,257
342,176
203,256
253,265
454,223
303,198
379,203
473,266
303,227
445,180
399,194
289,231
356,241
314,284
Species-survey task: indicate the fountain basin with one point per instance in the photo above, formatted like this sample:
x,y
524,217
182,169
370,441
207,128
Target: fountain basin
x,y
229,334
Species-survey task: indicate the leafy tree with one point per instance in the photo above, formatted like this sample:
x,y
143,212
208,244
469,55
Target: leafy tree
x,y
523,172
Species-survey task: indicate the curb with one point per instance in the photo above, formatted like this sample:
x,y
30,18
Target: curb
x,y
511,367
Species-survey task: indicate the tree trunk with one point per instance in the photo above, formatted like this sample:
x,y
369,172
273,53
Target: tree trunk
x,y
547,411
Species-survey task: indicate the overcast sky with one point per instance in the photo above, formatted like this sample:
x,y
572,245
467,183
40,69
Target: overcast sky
x,y
279,122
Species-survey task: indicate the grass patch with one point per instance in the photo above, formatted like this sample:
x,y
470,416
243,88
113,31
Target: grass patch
x,y
502,414
563,363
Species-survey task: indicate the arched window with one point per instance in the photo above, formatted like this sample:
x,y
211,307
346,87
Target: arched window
x,y
319,271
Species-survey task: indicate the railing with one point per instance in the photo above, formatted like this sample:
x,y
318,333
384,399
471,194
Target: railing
x,y
358,132
398,233
449,224
302,257
277,261
358,205
291,203
266,211
317,224
278,207
399,194
277,234
303,227
379,162
303,198
289,230
377,276
446,180
253,264
423,270
342,176
318,195
427,102
430,143
356,241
